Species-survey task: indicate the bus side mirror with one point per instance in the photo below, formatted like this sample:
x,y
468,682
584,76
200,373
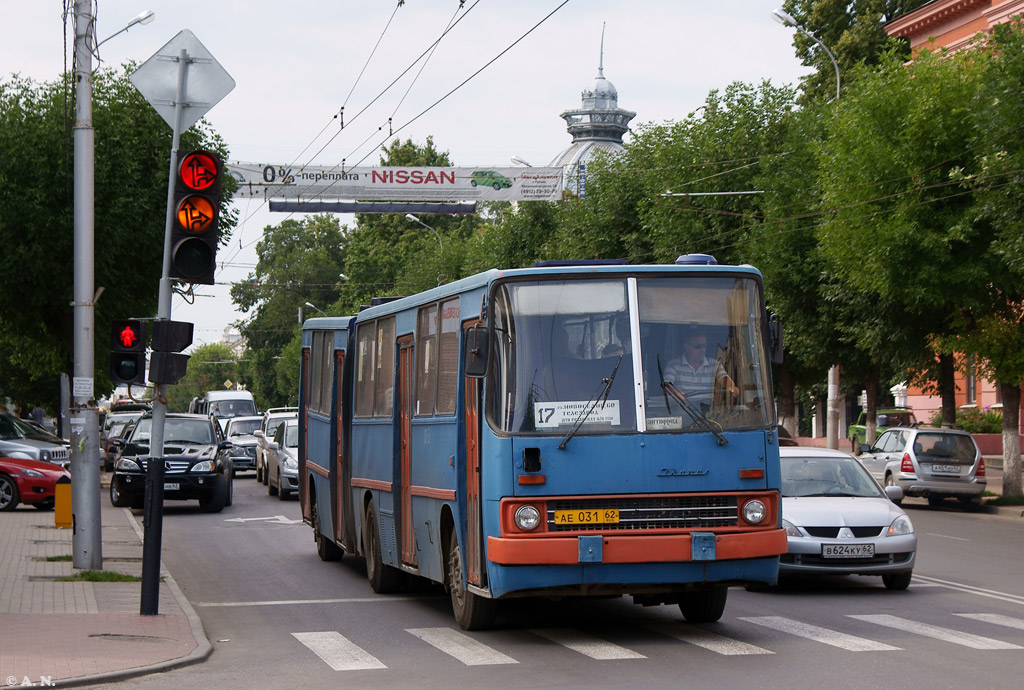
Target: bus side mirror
x,y
775,339
476,350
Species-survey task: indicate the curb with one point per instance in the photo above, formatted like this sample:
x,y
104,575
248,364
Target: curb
x,y
200,653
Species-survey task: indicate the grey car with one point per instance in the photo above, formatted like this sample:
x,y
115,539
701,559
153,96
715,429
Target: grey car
x,y
928,462
839,521
282,453
21,440
239,431
272,418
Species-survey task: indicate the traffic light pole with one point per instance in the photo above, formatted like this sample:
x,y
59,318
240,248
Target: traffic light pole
x,y
154,506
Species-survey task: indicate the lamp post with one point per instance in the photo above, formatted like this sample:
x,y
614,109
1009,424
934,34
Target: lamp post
x,y
85,448
832,418
521,161
409,216
313,306
787,20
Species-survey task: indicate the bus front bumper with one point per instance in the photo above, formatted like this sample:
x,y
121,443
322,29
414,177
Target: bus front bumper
x,y
655,548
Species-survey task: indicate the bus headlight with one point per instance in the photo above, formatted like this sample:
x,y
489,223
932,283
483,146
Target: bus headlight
x,y
527,518
754,512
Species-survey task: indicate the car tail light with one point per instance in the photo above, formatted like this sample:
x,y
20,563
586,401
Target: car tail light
x,y
907,465
981,469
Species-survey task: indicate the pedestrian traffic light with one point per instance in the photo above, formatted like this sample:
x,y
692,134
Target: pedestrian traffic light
x,y
128,351
167,364
195,217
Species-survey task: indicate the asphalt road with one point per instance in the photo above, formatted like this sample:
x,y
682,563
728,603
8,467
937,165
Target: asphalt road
x,y
279,617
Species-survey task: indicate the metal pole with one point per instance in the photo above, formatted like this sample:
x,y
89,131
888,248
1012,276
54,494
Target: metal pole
x,y
832,422
154,506
87,539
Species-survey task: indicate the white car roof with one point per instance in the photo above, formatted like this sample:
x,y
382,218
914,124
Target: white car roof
x,y
811,452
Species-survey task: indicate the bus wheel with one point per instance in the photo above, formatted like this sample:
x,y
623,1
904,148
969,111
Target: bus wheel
x,y
326,549
472,612
383,578
704,605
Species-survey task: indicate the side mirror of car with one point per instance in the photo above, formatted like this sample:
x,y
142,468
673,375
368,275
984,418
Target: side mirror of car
x,y
273,445
894,493
259,434
476,351
225,445
865,448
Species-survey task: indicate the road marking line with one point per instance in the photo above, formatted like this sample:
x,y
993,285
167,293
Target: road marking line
x,y
834,638
338,652
461,646
295,602
945,536
713,642
935,632
969,589
588,645
995,618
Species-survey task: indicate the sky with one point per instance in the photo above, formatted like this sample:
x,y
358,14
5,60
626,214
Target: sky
x,y
296,64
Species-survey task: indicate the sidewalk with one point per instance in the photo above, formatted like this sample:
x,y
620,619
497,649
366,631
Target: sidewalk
x,y
80,633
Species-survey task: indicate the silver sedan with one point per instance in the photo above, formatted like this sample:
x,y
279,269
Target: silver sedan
x,y
282,468
839,521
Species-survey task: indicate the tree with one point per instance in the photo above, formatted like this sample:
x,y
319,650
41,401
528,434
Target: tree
x,y
299,261
853,31
209,366
132,147
893,227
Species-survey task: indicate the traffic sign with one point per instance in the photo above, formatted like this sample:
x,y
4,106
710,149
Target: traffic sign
x,y
157,80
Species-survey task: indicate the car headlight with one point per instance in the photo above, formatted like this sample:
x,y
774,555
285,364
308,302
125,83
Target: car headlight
x,y
900,525
791,529
527,518
126,464
204,466
31,473
291,463
45,456
754,512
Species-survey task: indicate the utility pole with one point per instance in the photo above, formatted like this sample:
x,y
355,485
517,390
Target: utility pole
x,y
85,440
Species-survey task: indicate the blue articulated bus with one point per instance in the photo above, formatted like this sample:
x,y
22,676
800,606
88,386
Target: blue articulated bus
x,y
570,429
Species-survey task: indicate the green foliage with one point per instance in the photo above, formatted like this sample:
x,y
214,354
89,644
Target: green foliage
x,y
974,420
132,149
209,366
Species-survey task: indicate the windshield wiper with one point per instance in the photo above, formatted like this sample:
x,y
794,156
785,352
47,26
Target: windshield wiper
x,y
600,396
698,417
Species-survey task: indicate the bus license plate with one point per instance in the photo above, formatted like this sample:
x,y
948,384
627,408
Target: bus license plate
x,y
847,550
170,486
946,469
601,516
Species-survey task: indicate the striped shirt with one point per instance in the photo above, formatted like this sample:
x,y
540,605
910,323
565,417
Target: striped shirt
x,y
695,384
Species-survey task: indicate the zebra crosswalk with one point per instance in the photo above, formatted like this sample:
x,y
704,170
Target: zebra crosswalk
x,y
474,649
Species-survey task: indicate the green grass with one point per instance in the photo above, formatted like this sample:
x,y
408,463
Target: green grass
x,y
99,576
52,559
1006,501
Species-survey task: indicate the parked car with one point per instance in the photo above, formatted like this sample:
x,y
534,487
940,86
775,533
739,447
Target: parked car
x,y
29,481
197,463
895,416
21,440
282,456
239,431
113,445
934,463
272,418
113,427
839,521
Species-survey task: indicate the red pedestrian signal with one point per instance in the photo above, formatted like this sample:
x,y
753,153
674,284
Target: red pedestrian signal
x,y
195,213
128,352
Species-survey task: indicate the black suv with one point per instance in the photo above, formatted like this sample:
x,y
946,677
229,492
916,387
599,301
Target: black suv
x,y
197,463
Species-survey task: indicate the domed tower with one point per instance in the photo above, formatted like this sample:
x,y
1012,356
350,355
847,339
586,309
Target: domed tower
x,y
597,125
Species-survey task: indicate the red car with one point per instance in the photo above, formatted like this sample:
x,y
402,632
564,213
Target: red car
x,y
29,481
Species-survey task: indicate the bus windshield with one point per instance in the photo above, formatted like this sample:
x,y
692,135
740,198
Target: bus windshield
x,y
570,353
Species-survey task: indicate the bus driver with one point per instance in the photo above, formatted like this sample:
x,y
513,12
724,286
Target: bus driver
x,y
694,374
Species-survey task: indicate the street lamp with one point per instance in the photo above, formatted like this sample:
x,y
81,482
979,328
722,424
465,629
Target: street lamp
x,y
313,306
85,441
520,161
409,216
786,20
144,17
